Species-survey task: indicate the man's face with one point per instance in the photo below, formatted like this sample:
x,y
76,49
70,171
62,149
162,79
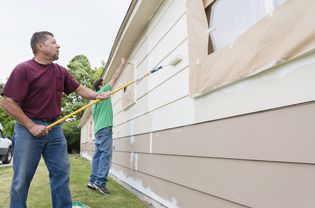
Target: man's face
x,y
50,48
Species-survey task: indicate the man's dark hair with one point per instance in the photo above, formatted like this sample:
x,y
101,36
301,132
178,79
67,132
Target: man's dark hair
x,y
39,37
97,83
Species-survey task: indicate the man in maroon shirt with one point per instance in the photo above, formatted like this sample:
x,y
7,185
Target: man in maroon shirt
x,y
32,96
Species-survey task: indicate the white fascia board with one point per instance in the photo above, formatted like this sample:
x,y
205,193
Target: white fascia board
x,y
134,26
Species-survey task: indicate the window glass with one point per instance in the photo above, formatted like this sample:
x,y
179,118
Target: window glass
x,y
278,2
229,19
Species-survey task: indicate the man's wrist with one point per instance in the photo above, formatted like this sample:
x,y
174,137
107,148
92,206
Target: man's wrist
x,y
29,125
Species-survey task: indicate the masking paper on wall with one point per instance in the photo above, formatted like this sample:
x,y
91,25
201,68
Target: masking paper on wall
x,y
283,35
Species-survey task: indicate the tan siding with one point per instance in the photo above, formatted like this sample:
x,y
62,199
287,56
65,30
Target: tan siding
x,y
170,194
87,139
139,143
236,159
285,134
252,183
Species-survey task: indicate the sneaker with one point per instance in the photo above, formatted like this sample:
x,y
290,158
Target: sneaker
x,y
91,186
102,189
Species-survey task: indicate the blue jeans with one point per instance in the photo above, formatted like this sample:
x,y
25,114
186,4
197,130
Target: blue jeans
x,y
102,157
26,156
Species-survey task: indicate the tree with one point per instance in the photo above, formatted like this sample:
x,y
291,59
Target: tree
x,y
80,69
72,134
98,73
6,121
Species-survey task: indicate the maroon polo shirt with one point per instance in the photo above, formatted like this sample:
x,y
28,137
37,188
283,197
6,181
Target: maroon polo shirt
x,y
38,88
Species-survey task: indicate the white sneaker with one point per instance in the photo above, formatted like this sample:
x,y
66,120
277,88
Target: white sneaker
x,y
91,186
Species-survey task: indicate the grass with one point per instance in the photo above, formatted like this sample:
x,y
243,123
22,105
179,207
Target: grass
x,y
39,193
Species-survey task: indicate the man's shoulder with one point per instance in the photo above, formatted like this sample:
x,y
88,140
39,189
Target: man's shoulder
x,y
25,63
23,66
61,68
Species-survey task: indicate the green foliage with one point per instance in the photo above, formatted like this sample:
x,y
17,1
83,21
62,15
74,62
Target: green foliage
x,y
98,73
80,69
72,133
6,121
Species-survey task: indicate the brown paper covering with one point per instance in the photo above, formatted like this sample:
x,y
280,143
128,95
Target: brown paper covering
x,y
287,33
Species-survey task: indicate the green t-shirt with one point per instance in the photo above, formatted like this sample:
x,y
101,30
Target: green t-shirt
x,y
103,111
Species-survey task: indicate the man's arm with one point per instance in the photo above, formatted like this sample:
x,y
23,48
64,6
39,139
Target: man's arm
x,y
89,94
14,110
117,73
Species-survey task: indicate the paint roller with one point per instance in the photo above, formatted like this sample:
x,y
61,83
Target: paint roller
x,y
172,62
175,61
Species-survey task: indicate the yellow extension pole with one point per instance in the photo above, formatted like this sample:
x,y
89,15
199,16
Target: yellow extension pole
x,y
98,100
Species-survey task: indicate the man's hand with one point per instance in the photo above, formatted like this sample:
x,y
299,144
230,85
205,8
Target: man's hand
x,y
103,95
123,61
38,130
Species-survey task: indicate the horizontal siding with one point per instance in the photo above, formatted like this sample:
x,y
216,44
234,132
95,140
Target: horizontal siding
x,y
167,93
159,55
84,137
284,135
261,160
251,183
153,23
168,20
157,80
87,150
168,193
156,30
268,90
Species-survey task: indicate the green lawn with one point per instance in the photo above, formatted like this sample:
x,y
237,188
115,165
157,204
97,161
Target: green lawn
x,y
39,194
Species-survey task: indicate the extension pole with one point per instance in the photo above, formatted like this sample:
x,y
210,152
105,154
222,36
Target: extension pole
x,y
98,100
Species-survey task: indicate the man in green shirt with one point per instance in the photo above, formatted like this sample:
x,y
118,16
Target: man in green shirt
x,y
103,122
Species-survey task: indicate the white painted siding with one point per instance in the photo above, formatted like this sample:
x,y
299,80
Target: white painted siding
x,y
162,97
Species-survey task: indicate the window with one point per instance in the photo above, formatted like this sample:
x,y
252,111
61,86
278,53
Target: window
x,y
230,40
229,19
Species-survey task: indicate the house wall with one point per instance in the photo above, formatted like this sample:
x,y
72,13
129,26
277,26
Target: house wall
x,y
249,144
87,139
